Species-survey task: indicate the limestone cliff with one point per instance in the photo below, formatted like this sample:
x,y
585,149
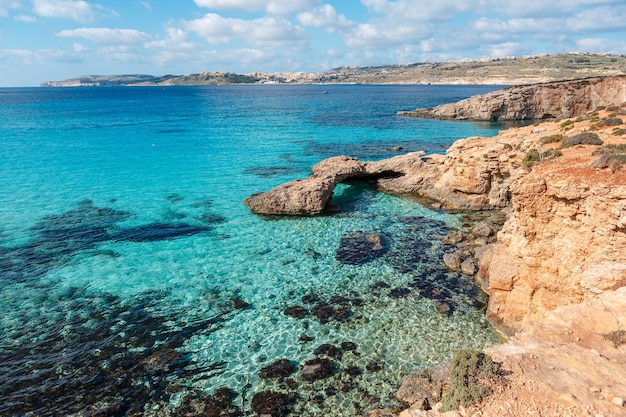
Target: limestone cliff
x,y
539,101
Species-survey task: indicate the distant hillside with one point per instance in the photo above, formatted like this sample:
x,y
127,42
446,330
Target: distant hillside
x,y
203,78
501,71
505,71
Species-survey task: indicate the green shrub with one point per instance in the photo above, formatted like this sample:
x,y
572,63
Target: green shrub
x,y
619,132
610,149
471,370
611,121
567,123
585,138
615,161
534,156
552,139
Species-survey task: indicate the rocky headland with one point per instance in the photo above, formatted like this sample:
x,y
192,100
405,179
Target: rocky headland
x,y
555,275
530,102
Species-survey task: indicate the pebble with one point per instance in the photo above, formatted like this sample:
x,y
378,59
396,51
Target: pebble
x,y
618,401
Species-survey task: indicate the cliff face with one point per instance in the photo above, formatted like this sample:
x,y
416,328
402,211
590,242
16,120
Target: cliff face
x,y
565,241
540,101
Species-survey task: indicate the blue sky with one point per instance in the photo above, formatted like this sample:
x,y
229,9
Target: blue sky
x,y
49,40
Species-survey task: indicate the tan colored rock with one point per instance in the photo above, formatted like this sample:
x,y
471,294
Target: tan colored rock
x,y
563,99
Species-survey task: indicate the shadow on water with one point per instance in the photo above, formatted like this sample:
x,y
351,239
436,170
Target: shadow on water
x,y
58,237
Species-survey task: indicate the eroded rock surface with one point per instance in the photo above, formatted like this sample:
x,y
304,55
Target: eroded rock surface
x,y
563,99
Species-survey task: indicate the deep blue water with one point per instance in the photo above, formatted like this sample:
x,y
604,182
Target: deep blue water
x,y
133,279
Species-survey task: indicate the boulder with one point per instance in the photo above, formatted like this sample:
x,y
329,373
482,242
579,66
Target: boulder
x,y
468,267
452,261
422,390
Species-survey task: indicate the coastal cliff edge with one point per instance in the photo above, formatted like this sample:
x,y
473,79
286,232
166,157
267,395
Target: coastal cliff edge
x,y
556,277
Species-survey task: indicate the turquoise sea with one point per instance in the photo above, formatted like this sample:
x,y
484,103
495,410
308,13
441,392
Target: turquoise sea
x,y
133,280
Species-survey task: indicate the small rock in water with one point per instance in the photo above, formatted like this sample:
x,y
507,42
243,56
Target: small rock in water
x,y
452,261
443,308
468,267
482,229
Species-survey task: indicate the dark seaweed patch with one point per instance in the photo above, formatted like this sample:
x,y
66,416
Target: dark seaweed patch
x,y
356,248
158,231
100,357
57,238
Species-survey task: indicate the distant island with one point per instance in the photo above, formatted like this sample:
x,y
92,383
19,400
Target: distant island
x,y
494,71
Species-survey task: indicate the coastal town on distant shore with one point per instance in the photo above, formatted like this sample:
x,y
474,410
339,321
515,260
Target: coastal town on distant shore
x,y
492,71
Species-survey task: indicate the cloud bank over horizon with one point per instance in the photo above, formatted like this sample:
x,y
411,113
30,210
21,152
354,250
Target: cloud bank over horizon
x,y
44,40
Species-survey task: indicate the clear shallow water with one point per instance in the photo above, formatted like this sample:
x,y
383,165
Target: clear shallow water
x,y
132,275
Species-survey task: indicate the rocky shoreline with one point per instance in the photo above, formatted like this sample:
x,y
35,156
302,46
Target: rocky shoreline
x,y
562,100
556,272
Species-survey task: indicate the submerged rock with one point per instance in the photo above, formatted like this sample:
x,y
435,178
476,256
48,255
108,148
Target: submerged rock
x,y
357,248
329,350
297,312
316,369
274,404
281,368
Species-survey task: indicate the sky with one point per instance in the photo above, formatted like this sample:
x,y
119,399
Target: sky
x,y
52,40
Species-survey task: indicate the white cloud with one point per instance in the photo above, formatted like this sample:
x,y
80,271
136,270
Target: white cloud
x,y
30,57
266,31
280,7
377,35
79,48
432,11
25,18
106,36
541,8
600,19
6,5
601,45
325,16
77,10
175,40
504,50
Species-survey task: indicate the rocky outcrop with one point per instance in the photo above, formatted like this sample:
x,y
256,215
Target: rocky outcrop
x,y
539,101
472,175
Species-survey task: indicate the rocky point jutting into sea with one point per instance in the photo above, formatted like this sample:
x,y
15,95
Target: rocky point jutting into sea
x,y
556,276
